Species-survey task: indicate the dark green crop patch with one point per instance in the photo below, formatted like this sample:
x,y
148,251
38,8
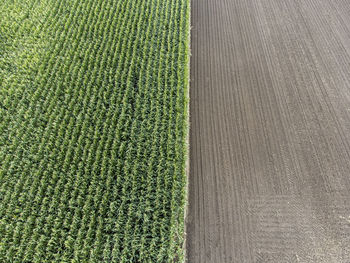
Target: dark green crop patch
x,y
93,128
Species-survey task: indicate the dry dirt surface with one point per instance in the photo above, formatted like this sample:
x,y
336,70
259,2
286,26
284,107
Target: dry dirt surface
x,y
270,132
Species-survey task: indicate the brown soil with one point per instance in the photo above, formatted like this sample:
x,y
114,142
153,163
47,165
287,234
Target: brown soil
x,y
270,132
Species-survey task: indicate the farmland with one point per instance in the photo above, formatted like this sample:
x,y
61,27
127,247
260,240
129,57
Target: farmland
x,y
270,132
93,128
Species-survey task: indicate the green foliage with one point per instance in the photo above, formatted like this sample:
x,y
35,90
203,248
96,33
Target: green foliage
x,y
93,127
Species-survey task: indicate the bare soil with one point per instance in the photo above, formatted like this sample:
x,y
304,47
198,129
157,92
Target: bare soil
x,y
270,132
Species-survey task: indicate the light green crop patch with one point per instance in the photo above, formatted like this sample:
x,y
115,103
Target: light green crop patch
x,y
22,41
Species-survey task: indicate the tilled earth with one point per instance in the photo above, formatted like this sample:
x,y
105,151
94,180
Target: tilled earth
x,y
270,132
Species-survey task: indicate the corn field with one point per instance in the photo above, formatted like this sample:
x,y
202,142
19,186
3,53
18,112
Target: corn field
x,y
93,128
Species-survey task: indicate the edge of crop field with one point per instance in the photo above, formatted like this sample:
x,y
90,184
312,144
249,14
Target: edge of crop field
x,y
187,139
